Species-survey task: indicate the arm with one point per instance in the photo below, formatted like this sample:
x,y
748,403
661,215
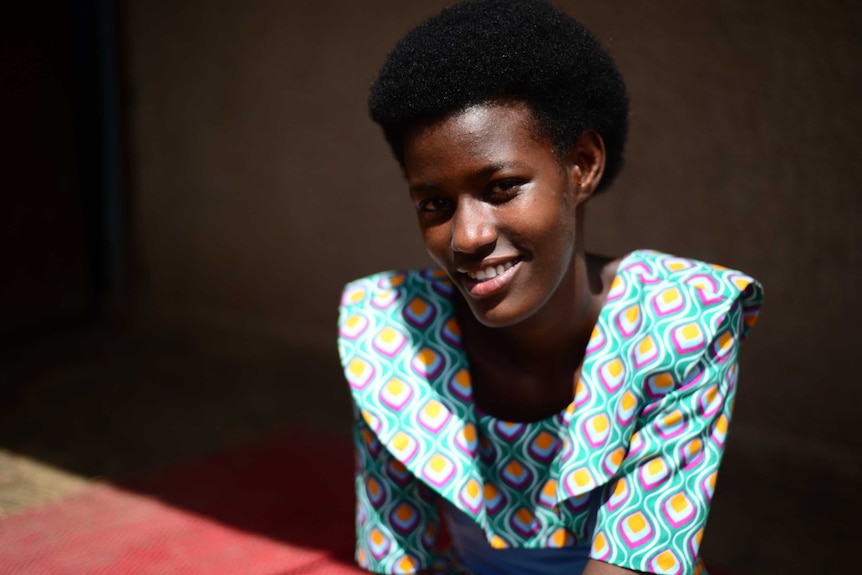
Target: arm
x,y
396,516
654,514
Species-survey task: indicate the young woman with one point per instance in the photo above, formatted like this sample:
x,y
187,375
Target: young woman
x,y
560,411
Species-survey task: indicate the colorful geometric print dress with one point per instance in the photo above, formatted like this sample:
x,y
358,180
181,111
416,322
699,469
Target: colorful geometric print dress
x,y
627,470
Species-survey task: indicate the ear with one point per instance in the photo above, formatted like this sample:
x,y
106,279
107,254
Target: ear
x,y
585,162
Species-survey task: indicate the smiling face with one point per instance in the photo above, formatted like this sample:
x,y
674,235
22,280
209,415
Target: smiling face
x,y
497,210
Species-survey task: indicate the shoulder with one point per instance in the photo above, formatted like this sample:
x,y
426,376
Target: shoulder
x,y
380,290
396,322
669,286
667,315
401,300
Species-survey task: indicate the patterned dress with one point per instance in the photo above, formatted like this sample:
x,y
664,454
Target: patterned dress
x,y
628,469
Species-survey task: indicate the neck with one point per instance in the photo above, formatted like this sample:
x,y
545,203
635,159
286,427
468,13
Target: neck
x,y
566,320
530,370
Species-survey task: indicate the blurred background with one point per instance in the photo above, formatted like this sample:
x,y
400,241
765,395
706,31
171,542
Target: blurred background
x,y
189,184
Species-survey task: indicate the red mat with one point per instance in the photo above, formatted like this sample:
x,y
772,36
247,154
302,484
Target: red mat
x,y
280,507
283,506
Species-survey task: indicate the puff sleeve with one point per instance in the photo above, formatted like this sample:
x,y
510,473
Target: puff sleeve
x,y
653,513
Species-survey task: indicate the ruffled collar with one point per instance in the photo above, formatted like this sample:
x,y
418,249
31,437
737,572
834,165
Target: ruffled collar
x,y
409,375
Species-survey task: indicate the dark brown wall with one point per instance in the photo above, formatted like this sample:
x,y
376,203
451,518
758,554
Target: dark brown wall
x,y
45,265
259,186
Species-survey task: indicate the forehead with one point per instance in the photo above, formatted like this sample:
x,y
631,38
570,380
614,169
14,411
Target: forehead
x,y
474,138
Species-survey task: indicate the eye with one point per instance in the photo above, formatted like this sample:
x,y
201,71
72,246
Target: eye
x,y
432,205
504,190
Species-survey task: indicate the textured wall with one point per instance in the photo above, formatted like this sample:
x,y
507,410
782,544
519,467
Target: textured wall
x,y
259,186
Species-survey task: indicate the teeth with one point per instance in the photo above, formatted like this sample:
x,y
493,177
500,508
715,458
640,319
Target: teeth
x,y
490,272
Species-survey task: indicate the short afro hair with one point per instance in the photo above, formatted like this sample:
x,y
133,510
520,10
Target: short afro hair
x,y
481,51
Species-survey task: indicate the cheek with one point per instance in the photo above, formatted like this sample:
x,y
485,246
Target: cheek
x,y
549,229
436,241
554,247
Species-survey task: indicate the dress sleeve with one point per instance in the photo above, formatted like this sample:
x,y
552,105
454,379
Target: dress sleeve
x,y
396,514
653,514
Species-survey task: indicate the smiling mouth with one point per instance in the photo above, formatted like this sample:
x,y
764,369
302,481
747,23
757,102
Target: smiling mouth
x,y
490,272
489,280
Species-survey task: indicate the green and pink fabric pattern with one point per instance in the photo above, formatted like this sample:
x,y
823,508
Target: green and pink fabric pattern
x,y
644,434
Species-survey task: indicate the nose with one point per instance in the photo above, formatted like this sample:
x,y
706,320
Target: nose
x,y
473,230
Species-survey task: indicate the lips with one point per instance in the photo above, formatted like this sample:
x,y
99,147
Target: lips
x,y
488,279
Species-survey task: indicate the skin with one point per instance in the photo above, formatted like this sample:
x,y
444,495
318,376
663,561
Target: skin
x,y
490,190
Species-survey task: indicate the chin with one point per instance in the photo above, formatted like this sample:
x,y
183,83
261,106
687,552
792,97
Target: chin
x,y
496,315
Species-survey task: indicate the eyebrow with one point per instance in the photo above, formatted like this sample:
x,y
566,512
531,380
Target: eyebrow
x,y
485,172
